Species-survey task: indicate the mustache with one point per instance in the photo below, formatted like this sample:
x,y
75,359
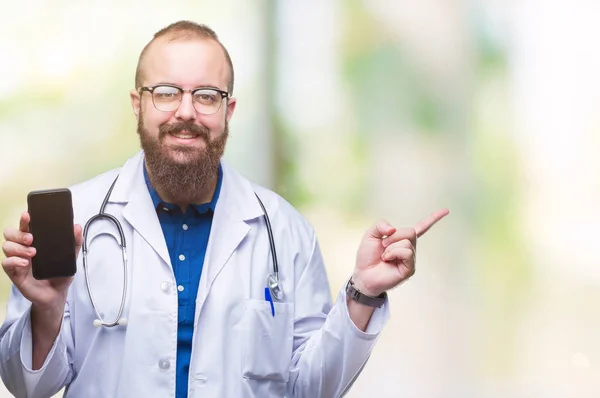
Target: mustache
x,y
190,127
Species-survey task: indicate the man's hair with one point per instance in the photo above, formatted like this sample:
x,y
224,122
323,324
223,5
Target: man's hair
x,y
184,30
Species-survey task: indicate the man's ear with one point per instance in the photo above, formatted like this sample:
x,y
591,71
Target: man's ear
x,y
231,102
136,103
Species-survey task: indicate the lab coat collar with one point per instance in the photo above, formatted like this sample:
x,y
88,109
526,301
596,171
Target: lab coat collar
x,y
236,206
237,200
126,186
131,190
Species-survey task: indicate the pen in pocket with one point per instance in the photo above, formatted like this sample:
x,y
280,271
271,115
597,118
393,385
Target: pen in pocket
x,y
270,300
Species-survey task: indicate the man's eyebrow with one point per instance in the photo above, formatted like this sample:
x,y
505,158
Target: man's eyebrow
x,y
208,86
194,88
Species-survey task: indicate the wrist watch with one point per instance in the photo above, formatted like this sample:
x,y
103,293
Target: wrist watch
x,y
370,301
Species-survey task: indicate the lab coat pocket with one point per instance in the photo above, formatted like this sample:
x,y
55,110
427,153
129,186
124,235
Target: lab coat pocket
x,y
266,340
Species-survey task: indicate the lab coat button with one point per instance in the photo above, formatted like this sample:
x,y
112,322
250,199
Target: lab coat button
x,y
164,364
200,379
165,287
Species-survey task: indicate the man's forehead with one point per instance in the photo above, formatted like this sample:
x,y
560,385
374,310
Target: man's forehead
x,y
176,43
187,59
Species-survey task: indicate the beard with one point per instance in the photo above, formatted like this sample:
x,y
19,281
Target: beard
x,y
187,179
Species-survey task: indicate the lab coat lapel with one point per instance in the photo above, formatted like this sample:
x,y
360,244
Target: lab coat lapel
x,y
139,210
237,204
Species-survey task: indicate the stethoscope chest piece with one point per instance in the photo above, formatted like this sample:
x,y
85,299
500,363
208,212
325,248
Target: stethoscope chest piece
x,y
274,287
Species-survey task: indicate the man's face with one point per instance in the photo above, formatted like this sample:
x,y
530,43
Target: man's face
x,y
183,140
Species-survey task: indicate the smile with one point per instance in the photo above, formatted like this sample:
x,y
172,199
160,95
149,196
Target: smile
x,y
184,135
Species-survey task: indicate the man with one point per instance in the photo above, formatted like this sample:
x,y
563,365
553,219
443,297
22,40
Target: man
x,y
201,321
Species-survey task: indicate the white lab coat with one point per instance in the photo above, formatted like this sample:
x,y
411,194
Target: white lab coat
x,y
308,349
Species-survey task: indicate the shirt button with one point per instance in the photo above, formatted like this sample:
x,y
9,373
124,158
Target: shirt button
x,y
164,364
165,287
185,227
180,288
181,257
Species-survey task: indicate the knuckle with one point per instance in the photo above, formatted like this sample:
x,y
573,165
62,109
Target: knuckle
x,y
6,248
8,263
412,234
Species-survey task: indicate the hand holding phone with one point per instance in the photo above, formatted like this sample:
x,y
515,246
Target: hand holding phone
x,y
19,251
48,297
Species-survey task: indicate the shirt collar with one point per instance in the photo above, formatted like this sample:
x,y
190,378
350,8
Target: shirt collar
x,y
199,209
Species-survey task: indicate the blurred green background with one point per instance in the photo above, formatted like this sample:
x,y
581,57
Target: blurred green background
x,y
364,109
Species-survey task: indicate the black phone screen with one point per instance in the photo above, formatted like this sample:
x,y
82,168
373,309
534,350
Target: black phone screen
x,y
51,225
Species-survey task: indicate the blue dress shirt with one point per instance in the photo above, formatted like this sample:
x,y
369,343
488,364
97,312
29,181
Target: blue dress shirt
x,y
186,235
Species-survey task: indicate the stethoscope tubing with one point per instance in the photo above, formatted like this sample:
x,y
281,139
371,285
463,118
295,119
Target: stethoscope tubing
x,y
273,282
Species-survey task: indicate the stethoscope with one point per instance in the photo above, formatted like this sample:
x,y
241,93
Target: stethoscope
x,y
273,282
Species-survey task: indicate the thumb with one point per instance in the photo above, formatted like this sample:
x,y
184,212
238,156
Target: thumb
x,y
380,229
78,237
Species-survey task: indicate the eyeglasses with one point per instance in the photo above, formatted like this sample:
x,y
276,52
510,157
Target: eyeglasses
x,y
167,98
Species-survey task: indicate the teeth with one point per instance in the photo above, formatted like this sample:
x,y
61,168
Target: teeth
x,y
184,136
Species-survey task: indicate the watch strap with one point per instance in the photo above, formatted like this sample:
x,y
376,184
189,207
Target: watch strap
x,y
356,295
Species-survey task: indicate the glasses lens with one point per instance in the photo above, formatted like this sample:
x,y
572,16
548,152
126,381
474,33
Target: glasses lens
x,y
207,101
166,98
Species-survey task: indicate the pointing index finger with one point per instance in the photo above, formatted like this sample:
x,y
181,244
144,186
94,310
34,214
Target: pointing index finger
x,y
423,226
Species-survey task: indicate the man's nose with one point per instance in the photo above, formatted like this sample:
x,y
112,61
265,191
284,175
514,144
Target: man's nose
x,y
186,109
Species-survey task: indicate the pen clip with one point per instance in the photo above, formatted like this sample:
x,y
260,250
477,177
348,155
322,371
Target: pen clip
x,y
270,300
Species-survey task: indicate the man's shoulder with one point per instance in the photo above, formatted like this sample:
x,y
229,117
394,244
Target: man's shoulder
x,y
282,212
99,182
275,205
88,195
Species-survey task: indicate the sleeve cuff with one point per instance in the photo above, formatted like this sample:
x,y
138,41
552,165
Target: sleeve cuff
x,y
376,323
32,377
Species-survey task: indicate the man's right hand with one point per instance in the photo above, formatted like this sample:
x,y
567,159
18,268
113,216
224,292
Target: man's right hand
x,y
48,294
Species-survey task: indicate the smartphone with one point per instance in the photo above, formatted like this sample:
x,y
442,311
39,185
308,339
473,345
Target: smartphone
x,y
51,213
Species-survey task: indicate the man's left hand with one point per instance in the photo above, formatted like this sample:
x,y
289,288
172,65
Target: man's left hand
x,y
386,256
